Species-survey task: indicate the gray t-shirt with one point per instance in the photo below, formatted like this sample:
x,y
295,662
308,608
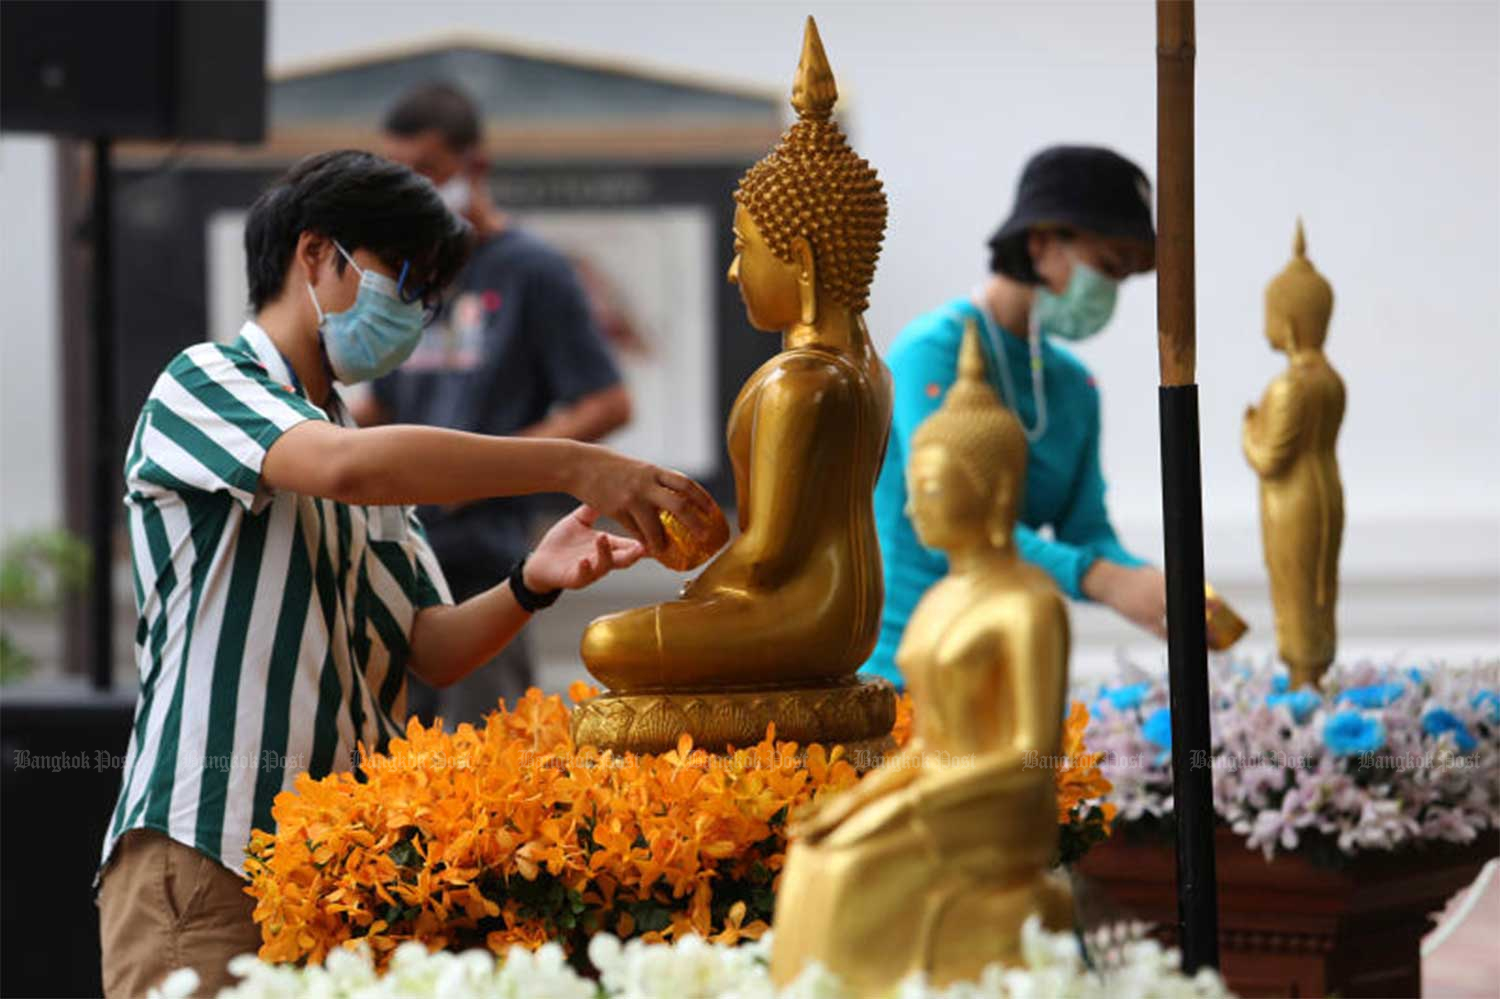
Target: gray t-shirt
x,y
515,338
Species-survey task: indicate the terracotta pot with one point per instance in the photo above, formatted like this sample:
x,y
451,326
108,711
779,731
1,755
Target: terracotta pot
x,y
1288,927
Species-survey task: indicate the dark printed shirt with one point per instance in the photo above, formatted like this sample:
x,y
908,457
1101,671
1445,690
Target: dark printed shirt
x,y
515,339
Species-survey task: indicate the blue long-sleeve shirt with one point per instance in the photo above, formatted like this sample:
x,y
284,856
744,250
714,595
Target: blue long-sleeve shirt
x,y
1064,486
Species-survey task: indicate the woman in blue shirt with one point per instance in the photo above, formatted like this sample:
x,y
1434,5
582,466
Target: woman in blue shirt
x,y
1081,224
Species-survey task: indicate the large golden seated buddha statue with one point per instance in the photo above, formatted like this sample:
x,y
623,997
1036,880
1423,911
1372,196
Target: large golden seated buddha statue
x,y
933,862
776,627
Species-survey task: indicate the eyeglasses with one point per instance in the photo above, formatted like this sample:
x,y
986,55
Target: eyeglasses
x,y
431,309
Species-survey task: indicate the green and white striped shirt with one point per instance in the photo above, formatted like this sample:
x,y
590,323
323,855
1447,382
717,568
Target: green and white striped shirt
x,y
273,627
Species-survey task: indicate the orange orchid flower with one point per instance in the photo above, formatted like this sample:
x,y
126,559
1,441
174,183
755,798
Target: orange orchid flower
x,y
508,834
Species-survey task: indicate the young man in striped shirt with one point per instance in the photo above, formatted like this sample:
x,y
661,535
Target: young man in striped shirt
x,y
284,588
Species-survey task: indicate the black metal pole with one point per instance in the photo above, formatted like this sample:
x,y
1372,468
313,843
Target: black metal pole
x,y
1187,666
103,483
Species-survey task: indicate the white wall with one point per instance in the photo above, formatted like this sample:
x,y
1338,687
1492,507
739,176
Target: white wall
x,y
1378,122
30,368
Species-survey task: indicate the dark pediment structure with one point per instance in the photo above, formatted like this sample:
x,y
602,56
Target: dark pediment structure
x,y
536,105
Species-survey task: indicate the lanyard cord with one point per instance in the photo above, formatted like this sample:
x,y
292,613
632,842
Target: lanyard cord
x,y
291,373
1035,432
333,404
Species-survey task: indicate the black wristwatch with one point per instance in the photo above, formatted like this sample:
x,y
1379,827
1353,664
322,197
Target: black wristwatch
x,y
530,601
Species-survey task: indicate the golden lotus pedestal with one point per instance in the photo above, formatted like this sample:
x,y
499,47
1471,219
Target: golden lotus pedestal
x,y
856,713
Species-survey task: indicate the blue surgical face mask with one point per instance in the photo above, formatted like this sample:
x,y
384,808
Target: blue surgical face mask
x,y
1082,309
373,336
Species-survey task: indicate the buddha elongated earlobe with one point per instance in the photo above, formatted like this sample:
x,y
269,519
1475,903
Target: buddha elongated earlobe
x,y
807,285
1291,336
998,528
998,535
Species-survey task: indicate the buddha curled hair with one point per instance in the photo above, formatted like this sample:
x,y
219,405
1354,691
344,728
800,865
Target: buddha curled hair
x,y
1300,291
975,426
814,186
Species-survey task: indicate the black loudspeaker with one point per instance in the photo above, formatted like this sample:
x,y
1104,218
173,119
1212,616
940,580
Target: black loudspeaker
x,y
143,69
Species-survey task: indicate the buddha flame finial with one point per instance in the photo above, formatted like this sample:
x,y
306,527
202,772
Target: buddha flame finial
x,y
813,186
813,89
972,390
974,424
1300,295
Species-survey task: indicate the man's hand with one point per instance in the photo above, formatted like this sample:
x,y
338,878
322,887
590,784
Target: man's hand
x,y
632,492
573,555
1139,594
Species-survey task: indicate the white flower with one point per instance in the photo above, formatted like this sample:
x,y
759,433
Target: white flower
x,y
1276,782
692,968
815,982
178,985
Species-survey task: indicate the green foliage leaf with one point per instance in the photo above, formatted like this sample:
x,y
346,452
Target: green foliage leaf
x,y
38,569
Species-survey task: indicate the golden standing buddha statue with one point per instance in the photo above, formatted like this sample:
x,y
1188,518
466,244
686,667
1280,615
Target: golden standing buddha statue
x,y
775,628
1289,440
933,862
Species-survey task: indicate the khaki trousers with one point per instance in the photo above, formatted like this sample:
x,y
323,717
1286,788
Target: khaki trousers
x,y
164,906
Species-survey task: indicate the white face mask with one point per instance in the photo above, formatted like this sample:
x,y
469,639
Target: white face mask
x,y
456,193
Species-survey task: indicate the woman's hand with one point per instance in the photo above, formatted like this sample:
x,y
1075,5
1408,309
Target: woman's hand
x,y
634,492
1138,594
572,555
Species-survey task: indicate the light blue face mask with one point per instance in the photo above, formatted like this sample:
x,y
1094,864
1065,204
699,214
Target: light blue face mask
x,y
373,336
1082,309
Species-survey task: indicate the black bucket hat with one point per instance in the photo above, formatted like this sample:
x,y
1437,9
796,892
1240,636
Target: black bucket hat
x,y
1087,188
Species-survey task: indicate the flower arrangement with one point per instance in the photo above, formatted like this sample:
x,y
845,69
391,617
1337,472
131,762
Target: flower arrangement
x,y
1378,758
509,834
1083,814
1131,967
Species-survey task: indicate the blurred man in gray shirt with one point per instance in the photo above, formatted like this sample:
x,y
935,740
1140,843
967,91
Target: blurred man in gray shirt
x,y
514,351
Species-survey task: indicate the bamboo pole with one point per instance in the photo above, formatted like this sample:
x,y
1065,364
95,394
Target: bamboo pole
x,y
1182,489
1175,291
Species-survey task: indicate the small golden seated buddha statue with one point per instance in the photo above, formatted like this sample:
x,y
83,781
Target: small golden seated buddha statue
x,y
1290,440
775,628
934,861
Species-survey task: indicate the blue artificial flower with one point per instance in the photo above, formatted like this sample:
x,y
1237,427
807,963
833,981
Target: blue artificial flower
x,y
1350,733
1375,695
1301,703
1487,697
1440,720
1126,697
1158,729
1279,683
1416,676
